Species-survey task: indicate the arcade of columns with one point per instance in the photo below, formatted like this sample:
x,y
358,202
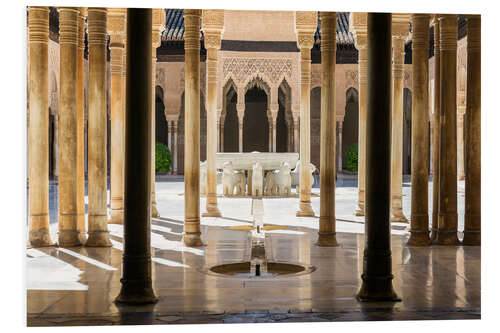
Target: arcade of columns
x,y
101,21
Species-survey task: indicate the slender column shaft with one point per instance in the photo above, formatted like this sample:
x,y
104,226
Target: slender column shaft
x,y
117,123
212,209
218,134
472,230
222,136
192,231
397,131
305,208
175,153
80,135
377,262
38,126
97,124
136,267
436,131
154,210
296,134
362,65
240,109
419,231
338,152
274,116
460,136
447,218
327,231
68,219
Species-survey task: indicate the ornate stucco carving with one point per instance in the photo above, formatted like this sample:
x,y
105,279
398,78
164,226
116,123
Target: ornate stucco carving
x,y
271,71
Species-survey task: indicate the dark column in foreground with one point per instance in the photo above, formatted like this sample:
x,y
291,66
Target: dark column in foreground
x,y
136,270
472,232
377,267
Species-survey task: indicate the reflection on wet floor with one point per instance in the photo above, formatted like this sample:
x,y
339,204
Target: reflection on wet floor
x,y
77,286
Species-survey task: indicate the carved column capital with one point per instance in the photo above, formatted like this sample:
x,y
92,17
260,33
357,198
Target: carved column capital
x,y
38,23
358,25
68,25
448,31
306,24
192,22
97,32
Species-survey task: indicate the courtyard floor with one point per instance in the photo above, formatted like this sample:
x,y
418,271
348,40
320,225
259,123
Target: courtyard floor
x,y
77,286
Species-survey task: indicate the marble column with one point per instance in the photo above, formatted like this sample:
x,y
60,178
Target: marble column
x,y
358,27
213,23
98,234
38,126
80,132
68,218
436,131
377,261
158,26
419,229
400,30
472,228
339,146
136,282
175,153
274,116
460,134
447,215
192,231
240,110
296,133
222,134
327,235
305,24
116,29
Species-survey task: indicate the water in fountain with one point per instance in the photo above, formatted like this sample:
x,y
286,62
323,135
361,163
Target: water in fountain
x,y
258,259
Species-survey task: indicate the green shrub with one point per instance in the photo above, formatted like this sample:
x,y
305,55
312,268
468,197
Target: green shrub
x,y
163,158
352,158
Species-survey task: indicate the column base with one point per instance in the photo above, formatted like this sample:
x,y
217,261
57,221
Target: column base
x,y
398,216
154,210
116,216
327,239
472,238
82,236
360,210
419,238
134,293
69,238
377,289
98,239
192,239
305,209
212,213
40,238
446,237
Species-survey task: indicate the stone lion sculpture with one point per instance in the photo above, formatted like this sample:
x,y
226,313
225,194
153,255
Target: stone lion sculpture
x,y
257,184
279,182
295,174
232,179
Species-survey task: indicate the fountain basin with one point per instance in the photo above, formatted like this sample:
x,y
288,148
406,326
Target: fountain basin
x,y
274,269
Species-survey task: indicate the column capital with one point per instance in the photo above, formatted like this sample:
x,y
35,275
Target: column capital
x,y
116,21
358,26
38,24
158,27
400,26
306,23
328,28
213,26
192,22
68,25
96,26
448,30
